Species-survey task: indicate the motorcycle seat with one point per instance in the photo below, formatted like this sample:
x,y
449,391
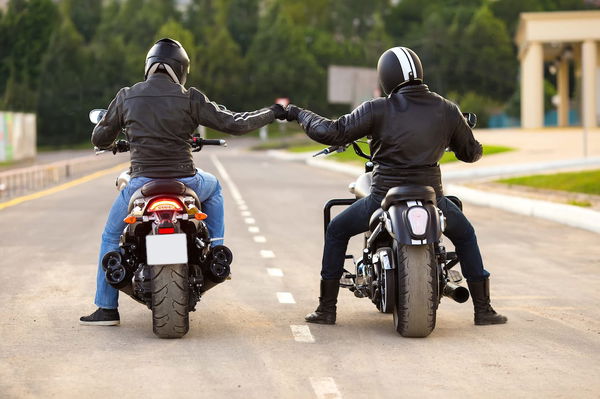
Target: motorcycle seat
x,y
408,193
163,186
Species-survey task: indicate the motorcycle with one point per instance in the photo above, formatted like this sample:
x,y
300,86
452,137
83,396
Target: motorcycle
x,y
404,267
165,259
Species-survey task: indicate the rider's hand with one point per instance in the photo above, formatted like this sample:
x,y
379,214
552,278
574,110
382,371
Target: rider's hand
x,y
120,146
292,112
279,111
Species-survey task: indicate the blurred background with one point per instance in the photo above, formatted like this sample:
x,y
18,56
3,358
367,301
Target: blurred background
x,y
59,59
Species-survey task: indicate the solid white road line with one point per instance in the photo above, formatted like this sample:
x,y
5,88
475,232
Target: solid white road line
x,y
235,193
253,229
265,253
249,220
260,239
325,388
302,333
285,297
274,272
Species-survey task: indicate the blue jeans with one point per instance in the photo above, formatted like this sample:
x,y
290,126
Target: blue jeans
x,y
207,188
355,219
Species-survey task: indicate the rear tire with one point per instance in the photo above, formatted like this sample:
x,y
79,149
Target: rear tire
x,y
417,291
170,297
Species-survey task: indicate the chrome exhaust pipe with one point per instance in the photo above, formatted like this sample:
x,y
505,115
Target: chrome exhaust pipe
x,y
457,292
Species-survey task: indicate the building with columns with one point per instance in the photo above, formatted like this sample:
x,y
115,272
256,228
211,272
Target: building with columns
x,y
559,39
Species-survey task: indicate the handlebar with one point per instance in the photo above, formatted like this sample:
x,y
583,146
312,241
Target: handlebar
x,y
333,148
198,142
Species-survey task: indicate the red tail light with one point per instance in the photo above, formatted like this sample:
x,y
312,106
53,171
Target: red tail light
x,y
164,204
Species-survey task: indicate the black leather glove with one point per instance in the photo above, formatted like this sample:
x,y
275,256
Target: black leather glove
x,y
120,146
292,112
279,111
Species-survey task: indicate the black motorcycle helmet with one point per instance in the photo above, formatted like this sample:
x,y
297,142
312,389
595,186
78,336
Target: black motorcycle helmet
x,y
398,67
169,56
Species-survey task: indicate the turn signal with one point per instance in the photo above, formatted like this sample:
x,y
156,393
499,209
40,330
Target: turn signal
x,y
130,219
200,216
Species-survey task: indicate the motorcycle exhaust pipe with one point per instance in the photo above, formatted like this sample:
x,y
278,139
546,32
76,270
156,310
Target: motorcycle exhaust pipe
x,y
116,274
218,267
457,292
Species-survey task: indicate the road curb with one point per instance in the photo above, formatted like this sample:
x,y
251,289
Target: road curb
x,y
561,213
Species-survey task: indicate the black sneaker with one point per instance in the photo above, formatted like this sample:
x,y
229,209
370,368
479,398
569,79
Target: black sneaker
x,y
101,317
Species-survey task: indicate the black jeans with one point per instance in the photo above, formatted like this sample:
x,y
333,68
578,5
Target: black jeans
x,y
355,220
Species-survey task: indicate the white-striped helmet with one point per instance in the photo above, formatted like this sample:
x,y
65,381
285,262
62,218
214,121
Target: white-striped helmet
x,y
398,67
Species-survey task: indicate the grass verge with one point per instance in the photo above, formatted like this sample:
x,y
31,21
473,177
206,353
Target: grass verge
x,y
587,182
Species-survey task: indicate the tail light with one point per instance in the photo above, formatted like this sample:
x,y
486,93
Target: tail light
x,y
164,204
417,219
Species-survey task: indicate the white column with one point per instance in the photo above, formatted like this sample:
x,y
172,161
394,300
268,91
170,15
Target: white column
x,y
563,93
532,87
588,70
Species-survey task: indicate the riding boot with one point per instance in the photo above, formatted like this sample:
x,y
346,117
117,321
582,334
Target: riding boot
x,y
484,313
325,313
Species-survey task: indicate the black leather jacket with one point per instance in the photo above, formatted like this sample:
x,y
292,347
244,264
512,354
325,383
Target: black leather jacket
x,y
159,117
409,131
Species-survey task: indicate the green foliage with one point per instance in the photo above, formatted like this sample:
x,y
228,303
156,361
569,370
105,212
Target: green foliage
x,y
578,182
61,58
26,29
64,65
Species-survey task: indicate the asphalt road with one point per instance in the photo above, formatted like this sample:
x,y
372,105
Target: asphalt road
x,y
248,341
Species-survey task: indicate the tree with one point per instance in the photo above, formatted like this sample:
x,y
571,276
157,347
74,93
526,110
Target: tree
x,y
220,68
85,16
488,63
280,64
27,27
66,77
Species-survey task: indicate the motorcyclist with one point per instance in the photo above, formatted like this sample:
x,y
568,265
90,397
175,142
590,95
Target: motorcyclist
x,y
159,116
409,130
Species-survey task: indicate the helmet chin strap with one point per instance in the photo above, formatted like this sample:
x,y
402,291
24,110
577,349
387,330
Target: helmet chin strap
x,y
165,67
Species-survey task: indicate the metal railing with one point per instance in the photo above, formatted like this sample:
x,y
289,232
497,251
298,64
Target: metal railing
x,y
17,182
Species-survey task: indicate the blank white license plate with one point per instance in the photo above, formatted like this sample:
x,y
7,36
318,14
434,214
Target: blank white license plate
x,y
166,249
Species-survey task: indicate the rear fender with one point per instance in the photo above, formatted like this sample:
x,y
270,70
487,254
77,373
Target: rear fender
x,y
399,227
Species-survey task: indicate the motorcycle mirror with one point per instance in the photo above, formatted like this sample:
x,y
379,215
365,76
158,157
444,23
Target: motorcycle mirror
x,y
471,119
96,115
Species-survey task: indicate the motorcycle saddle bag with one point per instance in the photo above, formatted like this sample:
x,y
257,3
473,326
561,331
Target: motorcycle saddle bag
x,y
408,193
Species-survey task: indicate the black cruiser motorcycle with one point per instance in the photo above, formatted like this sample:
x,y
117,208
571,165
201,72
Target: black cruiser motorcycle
x,y
165,260
404,268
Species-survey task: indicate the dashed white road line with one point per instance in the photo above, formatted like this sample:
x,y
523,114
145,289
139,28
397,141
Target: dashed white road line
x,y
243,207
302,333
274,272
246,213
265,253
325,388
253,229
285,297
249,220
235,193
260,239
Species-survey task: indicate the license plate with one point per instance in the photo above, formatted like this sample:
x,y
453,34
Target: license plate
x,y
167,249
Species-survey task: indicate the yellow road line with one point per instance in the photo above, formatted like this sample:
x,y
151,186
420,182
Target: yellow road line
x,y
62,187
